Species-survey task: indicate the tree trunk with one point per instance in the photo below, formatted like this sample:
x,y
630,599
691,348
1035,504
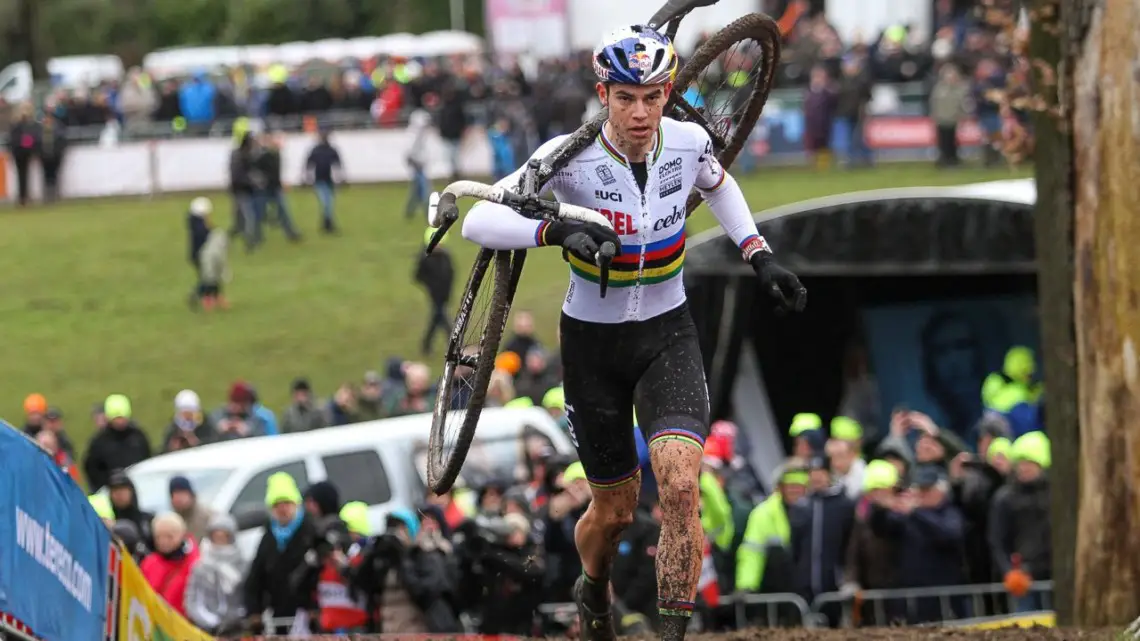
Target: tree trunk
x,y
1104,63
1053,229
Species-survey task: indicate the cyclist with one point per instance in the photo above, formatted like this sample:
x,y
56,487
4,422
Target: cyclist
x,y
638,346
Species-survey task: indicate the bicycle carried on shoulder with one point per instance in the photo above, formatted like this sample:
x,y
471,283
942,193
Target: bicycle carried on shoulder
x,y
482,315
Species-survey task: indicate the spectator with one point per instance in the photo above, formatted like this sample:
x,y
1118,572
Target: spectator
x,y
537,375
125,502
635,572
949,107
49,443
927,528
843,450
343,607
823,539
52,150
370,399
997,455
281,102
324,171
436,274
322,502
23,140
768,543
523,338
871,556
1014,385
272,193
53,422
807,436
302,415
35,406
1019,521
819,114
213,265
189,427
213,593
419,189
119,446
168,568
137,101
974,483
315,98
416,397
567,503
196,101
851,107
502,151
511,578
274,581
452,122
197,232
242,187
341,408
264,414
409,585
236,419
185,503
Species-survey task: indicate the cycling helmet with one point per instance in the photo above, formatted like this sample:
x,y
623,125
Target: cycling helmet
x,y
636,55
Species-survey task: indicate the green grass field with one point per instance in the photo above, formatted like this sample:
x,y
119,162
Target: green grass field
x,y
94,295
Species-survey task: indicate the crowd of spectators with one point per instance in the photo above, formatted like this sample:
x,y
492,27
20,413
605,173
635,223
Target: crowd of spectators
x,y
918,508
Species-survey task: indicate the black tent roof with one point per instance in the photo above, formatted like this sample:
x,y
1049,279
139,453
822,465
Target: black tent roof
x,y
971,229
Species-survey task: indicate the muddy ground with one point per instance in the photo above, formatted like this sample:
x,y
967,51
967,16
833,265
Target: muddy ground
x,y
916,634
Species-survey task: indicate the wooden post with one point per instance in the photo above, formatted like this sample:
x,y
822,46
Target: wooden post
x,y
1102,64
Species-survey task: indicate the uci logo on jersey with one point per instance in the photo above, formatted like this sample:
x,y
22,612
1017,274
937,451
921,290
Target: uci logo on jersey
x,y
677,216
611,196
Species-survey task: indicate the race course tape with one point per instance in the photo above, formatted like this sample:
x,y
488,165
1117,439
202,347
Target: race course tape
x,y
1044,619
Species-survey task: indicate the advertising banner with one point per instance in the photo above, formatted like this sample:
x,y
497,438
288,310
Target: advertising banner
x,y
54,550
145,616
932,356
535,27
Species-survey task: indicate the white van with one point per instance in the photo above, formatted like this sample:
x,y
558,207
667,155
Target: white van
x,y
381,463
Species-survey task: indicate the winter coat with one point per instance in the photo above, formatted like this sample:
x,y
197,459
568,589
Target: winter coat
x,y
871,558
303,418
213,595
214,260
279,579
1019,524
169,574
821,543
114,449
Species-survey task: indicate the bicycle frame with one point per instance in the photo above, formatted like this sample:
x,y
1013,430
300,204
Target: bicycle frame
x,y
539,173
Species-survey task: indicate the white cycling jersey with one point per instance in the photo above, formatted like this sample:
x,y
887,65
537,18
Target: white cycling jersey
x,y
645,281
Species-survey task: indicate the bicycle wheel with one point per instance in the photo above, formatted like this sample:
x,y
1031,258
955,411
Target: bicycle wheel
x,y
750,43
467,367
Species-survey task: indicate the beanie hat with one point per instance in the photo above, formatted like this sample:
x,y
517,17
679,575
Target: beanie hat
x,y
325,495
880,475
408,518
281,488
180,484
117,406
803,423
1033,447
554,398
846,429
355,517
187,401
240,392
1000,446
35,404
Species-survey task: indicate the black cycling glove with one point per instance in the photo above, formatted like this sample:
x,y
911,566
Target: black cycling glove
x,y
780,283
581,239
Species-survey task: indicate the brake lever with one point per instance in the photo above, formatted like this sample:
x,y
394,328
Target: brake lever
x,y
603,258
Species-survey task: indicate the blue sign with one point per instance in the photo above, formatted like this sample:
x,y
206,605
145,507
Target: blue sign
x,y
933,356
54,549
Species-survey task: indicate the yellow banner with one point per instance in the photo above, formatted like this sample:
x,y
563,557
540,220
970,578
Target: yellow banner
x,y
145,616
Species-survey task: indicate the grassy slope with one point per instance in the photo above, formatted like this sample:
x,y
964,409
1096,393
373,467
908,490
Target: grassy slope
x,y
93,295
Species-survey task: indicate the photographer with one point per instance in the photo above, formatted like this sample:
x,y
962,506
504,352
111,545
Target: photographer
x,y
407,579
507,569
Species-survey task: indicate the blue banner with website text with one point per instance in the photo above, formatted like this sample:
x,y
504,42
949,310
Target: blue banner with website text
x,y
53,547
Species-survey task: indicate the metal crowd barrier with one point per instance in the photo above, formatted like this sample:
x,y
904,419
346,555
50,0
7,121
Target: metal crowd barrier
x,y
741,606
852,604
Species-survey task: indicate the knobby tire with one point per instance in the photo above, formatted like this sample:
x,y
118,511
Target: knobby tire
x,y
442,472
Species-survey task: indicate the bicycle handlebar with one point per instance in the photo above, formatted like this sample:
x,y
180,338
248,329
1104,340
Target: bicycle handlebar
x,y
443,211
